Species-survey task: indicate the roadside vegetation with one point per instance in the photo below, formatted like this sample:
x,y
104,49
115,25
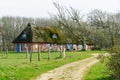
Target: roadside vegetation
x,y
114,62
98,72
109,69
17,67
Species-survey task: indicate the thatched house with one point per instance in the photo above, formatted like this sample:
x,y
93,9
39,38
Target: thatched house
x,y
40,37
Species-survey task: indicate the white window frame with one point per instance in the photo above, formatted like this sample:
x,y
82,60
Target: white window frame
x,y
36,45
25,45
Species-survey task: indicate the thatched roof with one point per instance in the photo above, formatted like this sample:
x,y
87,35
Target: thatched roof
x,y
36,34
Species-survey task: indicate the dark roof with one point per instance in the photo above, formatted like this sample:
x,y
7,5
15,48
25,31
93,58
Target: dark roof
x,y
36,34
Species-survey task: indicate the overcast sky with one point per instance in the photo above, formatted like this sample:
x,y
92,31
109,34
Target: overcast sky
x,y
41,8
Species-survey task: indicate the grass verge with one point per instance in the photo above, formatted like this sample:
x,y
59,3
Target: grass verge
x,y
98,72
17,67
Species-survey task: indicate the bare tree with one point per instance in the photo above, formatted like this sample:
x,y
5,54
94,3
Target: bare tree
x,y
71,20
45,22
105,23
11,27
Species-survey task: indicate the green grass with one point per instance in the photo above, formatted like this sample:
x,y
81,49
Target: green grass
x,y
17,67
98,72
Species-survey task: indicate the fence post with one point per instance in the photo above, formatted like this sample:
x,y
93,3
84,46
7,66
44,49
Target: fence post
x,y
30,54
26,52
61,51
6,52
64,54
38,53
48,51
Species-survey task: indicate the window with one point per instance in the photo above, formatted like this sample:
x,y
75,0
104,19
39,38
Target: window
x,y
25,45
55,45
24,36
54,36
36,46
44,45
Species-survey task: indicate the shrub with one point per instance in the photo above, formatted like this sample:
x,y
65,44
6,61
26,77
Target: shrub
x,y
114,61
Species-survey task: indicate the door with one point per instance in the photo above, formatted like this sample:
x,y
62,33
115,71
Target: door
x,y
69,47
18,48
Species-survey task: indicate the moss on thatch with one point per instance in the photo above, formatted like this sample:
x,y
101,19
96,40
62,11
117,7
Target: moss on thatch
x,y
34,34
41,35
45,34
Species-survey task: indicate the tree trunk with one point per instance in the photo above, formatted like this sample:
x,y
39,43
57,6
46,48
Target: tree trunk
x,y
64,54
6,52
83,43
30,54
26,52
111,37
3,44
61,51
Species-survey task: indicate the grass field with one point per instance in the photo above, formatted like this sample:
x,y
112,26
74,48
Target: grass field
x,y
98,72
17,67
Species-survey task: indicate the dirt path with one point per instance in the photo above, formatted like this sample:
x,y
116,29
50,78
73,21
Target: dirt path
x,y
72,71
